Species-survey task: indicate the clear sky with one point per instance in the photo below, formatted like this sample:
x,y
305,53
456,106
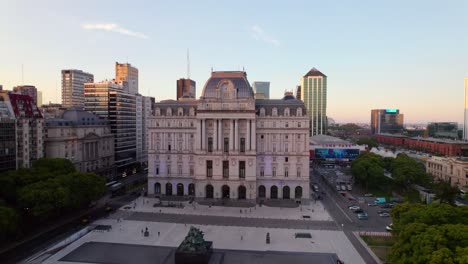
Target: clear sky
x,y
411,55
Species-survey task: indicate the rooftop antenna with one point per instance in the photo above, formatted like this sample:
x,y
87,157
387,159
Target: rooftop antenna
x,y
188,63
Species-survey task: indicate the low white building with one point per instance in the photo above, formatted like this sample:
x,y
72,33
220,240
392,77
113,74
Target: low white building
x,y
229,145
453,170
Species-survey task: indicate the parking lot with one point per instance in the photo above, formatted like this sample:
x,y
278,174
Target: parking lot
x,y
345,199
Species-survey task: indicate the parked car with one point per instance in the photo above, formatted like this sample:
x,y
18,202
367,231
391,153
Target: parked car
x,y
338,187
350,187
358,211
386,205
368,195
389,227
316,188
382,211
343,187
372,204
384,215
363,216
354,207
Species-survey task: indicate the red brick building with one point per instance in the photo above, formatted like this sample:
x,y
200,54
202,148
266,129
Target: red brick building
x,y
437,146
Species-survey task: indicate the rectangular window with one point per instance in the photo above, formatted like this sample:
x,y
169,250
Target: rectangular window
x,y
298,172
209,168
157,170
286,172
225,168
262,171
169,147
226,145
274,147
210,144
242,145
179,170
242,169
286,147
168,170
191,171
274,172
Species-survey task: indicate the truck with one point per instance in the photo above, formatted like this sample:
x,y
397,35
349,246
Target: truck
x,y
380,200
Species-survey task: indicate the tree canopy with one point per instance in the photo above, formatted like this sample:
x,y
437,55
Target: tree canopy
x,y
368,170
435,233
50,187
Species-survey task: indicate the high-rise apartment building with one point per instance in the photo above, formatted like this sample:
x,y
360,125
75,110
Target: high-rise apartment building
x,y
298,92
261,90
186,88
7,136
73,87
111,101
30,90
386,121
128,75
314,96
465,119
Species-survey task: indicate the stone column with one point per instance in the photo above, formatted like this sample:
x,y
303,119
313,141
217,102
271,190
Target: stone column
x,y
237,137
203,134
220,135
249,123
231,134
215,135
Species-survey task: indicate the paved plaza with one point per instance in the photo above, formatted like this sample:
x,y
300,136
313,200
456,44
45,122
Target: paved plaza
x,y
227,227
314,211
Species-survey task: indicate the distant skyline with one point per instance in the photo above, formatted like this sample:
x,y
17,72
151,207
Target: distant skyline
x,y
398,54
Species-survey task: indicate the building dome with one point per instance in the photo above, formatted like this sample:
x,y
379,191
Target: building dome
x,y
228,85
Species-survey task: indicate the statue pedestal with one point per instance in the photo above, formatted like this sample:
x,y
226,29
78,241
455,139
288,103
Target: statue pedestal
x,y
182,257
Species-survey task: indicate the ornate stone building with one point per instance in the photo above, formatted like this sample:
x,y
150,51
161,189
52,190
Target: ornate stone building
x,y
229,145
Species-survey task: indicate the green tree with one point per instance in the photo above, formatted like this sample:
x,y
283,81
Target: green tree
x,y
8,223
445,192
370,142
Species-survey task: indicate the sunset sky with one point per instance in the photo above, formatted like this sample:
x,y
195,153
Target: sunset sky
x,y
410,55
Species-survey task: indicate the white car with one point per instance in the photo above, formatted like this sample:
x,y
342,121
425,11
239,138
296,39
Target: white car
x,y
384,215
354,207
350,188
389,227
343,187
338,187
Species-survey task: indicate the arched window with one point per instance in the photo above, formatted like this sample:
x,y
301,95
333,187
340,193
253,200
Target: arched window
x,y
192,111
299,111
169,111
158,111
274,111
180,111
286,111
262,111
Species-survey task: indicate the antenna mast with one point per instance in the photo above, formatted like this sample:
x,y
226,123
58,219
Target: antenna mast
x,y
188,63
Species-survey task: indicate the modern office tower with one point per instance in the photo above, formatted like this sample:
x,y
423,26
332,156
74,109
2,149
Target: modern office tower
x,y
29,130
261,90
186,88
128,75
109,100
229,145
39,99
314,96
7,136
30,90
386,121
443,130
298,92
84,139
465,119
73,87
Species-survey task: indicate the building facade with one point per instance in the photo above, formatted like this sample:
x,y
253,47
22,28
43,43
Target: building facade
x,y
126,74
84,139
314,96
73,87
7,137
465,116
186,88
261,90
452,170
29,130
229,145
111,101
443,130
298,92
29,90
386,121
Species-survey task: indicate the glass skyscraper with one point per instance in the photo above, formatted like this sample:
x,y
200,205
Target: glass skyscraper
x,y
314,95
